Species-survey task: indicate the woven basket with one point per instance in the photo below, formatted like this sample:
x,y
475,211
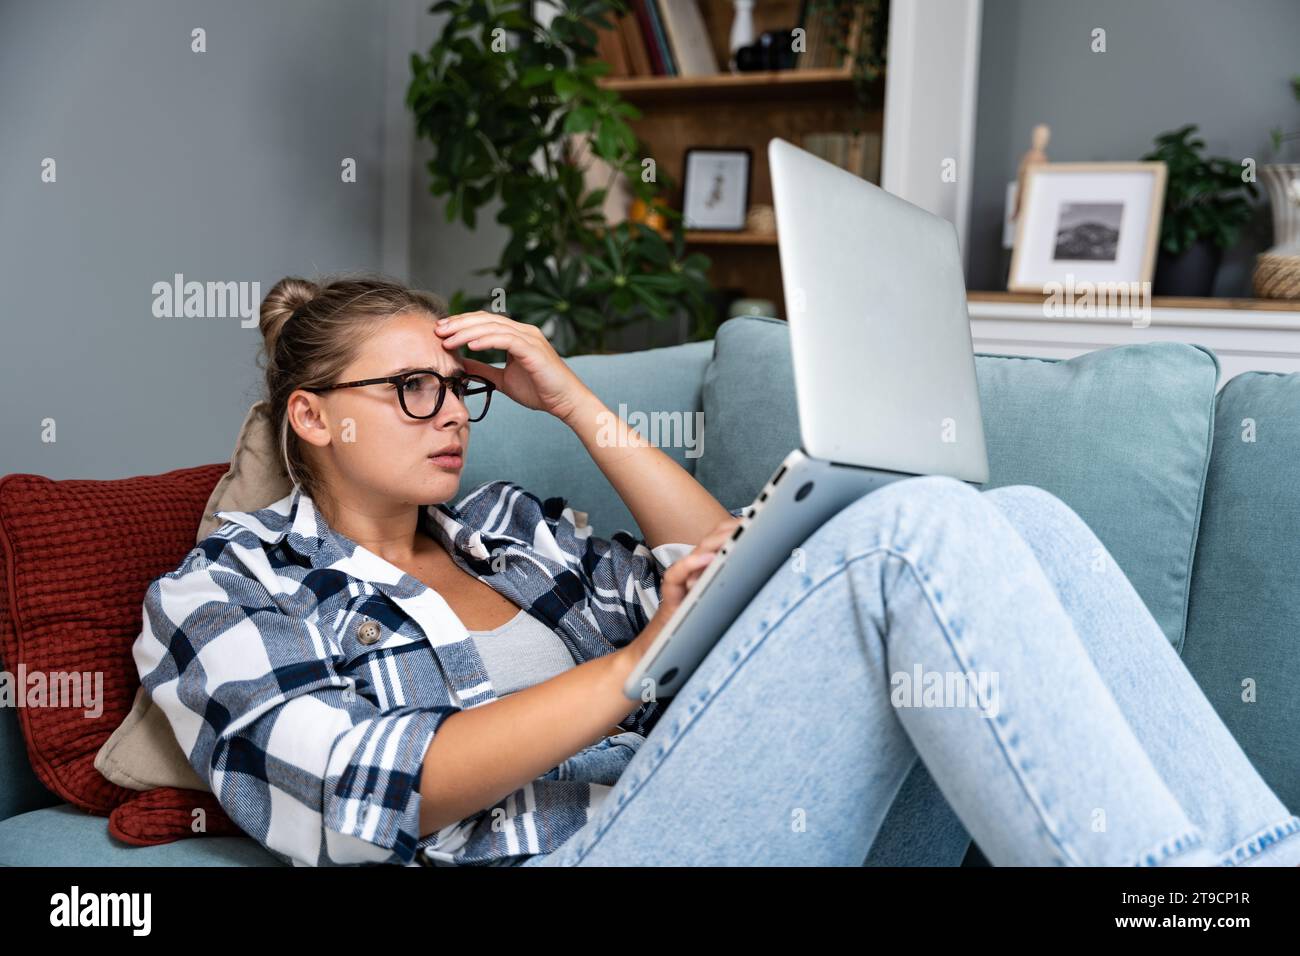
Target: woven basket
x,y
1277,276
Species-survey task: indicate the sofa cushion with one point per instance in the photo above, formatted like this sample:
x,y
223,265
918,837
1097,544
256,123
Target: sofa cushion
x,y
65,836
1242,644
163,814
256,477
543,454
143,752
20,790
1122,435
77,557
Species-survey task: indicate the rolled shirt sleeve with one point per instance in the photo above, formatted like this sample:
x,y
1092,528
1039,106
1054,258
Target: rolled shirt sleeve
x,y
294,753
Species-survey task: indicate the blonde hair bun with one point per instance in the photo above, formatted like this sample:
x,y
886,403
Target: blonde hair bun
x,y
285,298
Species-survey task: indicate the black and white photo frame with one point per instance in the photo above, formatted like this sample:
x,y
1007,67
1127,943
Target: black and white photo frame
x,y
715,187
1087,222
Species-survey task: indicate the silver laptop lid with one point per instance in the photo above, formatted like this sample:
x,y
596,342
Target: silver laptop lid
x,y
884,368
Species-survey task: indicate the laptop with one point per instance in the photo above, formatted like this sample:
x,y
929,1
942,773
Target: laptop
x,y
885,388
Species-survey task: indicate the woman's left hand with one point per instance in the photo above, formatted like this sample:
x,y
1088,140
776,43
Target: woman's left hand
x,y
534,374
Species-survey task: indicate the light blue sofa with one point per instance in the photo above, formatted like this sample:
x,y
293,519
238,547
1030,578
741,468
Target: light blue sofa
x,y
1195,494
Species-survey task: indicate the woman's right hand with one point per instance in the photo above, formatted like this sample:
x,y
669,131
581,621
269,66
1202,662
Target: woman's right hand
x,y
678,580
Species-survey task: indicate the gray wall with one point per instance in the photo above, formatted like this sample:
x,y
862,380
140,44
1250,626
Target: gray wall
x,y
1224,66
445,254
222,166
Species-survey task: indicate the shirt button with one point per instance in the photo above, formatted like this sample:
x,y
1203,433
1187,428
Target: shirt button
x,y
368,632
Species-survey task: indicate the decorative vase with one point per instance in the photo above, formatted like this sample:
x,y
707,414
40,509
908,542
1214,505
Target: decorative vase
x,y
1282,181
751,307
1190,273
742,29
1277,269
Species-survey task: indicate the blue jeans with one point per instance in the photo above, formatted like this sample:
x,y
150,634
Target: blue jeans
x,y
989,636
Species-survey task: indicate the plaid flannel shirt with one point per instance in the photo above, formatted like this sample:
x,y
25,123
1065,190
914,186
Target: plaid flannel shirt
x,y
304,676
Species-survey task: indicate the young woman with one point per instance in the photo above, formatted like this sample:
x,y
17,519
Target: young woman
x,y
365,672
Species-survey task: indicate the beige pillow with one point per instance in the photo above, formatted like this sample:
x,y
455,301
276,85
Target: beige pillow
x,y
256,477
143,753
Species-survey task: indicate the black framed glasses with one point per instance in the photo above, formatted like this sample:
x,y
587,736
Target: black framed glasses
x,y
421,391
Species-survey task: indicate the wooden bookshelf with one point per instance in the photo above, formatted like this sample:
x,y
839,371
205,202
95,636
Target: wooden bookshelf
x,y
741,110
764,85
713,237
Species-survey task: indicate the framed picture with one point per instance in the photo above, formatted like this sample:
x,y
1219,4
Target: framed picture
x,y
715,188
1087,222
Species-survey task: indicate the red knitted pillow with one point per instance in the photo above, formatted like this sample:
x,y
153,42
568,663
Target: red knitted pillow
x,y
77,557
165,814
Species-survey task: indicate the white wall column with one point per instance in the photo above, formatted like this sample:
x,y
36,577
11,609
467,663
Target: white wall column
x,y
932,77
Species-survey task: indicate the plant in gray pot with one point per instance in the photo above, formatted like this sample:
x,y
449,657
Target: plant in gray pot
x,y
1205,207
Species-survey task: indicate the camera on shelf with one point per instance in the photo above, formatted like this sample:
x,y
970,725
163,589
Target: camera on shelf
x,y
773,50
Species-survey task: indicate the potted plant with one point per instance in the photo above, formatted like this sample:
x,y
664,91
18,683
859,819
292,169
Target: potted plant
x,y
863,50
498,97
1205,207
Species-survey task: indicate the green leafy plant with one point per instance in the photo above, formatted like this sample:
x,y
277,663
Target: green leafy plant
x,y
498,97
1276,134
867,61
1205,197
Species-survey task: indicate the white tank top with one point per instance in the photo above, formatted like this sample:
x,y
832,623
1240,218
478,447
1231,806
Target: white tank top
x,y
521,652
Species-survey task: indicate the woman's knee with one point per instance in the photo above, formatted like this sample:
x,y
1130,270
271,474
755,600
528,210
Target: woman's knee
x,y
1063,541
926,490
930,494
1028,507
902,511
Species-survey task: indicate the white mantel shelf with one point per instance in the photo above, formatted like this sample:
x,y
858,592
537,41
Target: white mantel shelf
x,y
1245,334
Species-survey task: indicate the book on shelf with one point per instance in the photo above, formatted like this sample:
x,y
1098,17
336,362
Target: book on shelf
x,y
622,46
637,53
657,38
692,48
859,153
645,30
820,33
